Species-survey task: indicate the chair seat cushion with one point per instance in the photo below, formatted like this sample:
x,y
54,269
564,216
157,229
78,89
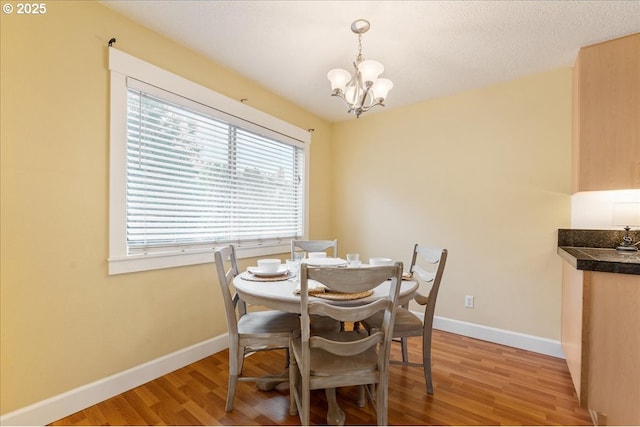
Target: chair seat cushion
x,y
268,322
407,324
324,363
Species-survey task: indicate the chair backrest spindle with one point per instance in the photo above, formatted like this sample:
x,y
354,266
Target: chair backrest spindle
x,y
434,257
227,268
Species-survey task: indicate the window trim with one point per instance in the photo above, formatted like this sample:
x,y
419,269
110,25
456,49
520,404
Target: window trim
x,y
123,66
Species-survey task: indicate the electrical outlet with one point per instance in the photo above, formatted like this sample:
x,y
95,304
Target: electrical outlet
x,y
468,301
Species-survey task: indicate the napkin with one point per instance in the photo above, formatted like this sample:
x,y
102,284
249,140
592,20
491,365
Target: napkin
x,y
315,287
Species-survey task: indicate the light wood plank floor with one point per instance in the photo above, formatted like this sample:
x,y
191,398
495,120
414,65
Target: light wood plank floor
x,y
475,383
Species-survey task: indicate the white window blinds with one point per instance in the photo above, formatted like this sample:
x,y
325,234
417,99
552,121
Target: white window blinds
x,y
195,180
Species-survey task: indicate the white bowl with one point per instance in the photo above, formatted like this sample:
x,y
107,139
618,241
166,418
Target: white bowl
x,y
376,262
268,265
317,255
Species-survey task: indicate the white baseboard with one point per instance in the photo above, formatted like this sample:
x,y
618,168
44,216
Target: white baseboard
x,y
500,336
72,401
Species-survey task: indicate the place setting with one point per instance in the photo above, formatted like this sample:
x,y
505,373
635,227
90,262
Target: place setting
x,y
267,270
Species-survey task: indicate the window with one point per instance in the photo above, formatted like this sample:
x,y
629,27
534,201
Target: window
x,y
191,170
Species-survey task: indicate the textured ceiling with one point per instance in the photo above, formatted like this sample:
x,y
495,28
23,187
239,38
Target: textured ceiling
x,y
429,48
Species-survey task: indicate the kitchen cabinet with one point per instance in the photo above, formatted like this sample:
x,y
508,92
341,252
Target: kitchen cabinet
x,y
601,342
606,116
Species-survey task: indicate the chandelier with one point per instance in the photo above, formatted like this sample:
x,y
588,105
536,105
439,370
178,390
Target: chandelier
x,y
364,90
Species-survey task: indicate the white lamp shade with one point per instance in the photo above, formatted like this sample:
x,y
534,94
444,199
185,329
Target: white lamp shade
x,y
338,78
626,214
350,94
381,88
370,70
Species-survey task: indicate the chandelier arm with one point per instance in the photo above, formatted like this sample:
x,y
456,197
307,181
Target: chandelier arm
x,y
359,107
367,89
365,109
339,94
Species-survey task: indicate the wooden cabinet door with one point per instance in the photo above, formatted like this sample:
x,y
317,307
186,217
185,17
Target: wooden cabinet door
x,y
606,128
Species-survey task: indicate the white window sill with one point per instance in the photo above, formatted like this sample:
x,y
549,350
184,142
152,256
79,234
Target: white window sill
x,y
156,261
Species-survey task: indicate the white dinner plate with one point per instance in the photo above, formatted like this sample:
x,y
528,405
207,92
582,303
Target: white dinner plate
x,y
325,262
256,271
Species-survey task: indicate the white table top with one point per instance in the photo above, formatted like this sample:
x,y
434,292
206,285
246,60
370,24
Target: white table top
x,y
281,295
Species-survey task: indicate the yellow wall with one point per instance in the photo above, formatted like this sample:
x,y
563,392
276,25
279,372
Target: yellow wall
x,y
484,173
65,322
487,175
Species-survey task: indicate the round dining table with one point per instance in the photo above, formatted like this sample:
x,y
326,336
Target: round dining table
x,y
283,295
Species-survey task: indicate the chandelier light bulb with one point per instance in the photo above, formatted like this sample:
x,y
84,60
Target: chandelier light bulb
x,y
350,94
370,70
338,78
381,88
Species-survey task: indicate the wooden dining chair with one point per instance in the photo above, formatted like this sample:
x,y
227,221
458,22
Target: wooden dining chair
x,y
319,323
315,246
249,331
427,266
343,358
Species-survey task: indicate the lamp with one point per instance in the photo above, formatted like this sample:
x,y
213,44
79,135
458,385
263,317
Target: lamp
x,y
626,214
364,90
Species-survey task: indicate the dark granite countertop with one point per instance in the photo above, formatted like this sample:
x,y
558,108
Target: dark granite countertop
x,y
599,259
594,250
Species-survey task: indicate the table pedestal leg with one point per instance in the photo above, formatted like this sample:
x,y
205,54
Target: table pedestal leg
x,y
269,382
335,415
266,385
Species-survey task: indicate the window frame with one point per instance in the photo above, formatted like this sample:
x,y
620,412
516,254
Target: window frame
x,y
122,67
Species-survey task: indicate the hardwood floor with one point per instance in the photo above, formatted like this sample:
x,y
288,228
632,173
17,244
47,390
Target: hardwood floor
x,y
475,383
